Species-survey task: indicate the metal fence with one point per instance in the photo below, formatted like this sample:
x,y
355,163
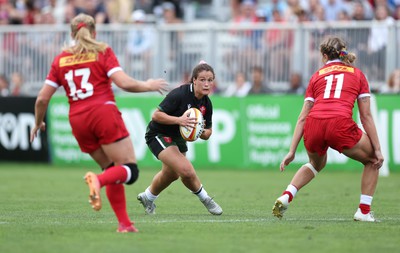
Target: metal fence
x,y
171,51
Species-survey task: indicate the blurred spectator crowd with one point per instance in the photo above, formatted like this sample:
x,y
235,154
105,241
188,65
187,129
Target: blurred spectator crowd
x,y
120,11
31,12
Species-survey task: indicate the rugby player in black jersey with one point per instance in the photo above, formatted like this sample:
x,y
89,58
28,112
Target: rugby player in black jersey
x,y
166,143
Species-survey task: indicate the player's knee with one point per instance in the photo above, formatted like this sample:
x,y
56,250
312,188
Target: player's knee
x,y
133,172
109,166
187,174
311,167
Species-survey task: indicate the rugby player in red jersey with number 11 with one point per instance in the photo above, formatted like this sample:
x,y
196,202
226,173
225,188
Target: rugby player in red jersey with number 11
x,y
326,121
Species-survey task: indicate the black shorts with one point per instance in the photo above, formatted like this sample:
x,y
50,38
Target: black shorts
x,y
158,142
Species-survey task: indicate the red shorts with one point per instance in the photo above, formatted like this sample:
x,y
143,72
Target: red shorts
x,y
337,133
98,126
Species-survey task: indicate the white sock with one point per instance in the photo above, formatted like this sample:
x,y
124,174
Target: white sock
x,y
292,189
365,199
150,196
201,193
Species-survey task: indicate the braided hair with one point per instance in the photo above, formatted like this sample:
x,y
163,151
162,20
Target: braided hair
x,y
335,48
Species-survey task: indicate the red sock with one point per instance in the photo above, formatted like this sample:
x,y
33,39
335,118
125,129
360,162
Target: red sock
x,y
116,196
290,195
113,175
365,208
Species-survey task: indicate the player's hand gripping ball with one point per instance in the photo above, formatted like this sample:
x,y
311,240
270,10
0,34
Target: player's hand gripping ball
x,y
192,134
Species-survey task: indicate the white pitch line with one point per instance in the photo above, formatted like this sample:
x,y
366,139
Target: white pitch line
x,y
255,220
204,221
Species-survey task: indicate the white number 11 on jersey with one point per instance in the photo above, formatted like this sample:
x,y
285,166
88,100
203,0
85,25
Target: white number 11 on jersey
x,y
339,85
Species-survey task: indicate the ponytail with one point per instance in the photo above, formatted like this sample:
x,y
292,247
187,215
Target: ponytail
x,y
83,30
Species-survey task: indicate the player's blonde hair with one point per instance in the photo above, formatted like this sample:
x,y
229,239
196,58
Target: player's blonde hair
x,y
83,31
335,48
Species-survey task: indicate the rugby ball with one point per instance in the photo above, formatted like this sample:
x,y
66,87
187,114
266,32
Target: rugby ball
x,y
192,134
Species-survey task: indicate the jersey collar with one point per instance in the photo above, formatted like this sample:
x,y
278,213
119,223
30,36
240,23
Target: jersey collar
x,y
332,61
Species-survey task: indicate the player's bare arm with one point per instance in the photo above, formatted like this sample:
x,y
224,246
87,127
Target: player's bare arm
x,y
163,118
127,83
298,133
41,104
206,134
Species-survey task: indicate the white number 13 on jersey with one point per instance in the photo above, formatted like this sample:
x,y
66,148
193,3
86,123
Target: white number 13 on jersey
x,y
339,84
75,93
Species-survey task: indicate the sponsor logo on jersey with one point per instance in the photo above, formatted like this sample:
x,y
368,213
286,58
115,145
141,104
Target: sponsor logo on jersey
x,y
167,139
339,68
77,59
203,109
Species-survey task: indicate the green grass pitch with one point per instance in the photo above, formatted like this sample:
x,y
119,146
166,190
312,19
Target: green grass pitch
x,y
45,209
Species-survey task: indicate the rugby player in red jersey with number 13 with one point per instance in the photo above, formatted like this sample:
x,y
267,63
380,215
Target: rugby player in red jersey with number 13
x,y
86,70
326,121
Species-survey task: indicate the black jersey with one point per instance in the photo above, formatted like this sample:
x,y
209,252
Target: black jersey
x,y
176,103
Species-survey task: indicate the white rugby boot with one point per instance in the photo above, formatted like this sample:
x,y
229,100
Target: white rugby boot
x,y
149,206
212,206
369,217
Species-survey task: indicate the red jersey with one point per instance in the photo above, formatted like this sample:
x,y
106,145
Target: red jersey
x,y
334,89
85,78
